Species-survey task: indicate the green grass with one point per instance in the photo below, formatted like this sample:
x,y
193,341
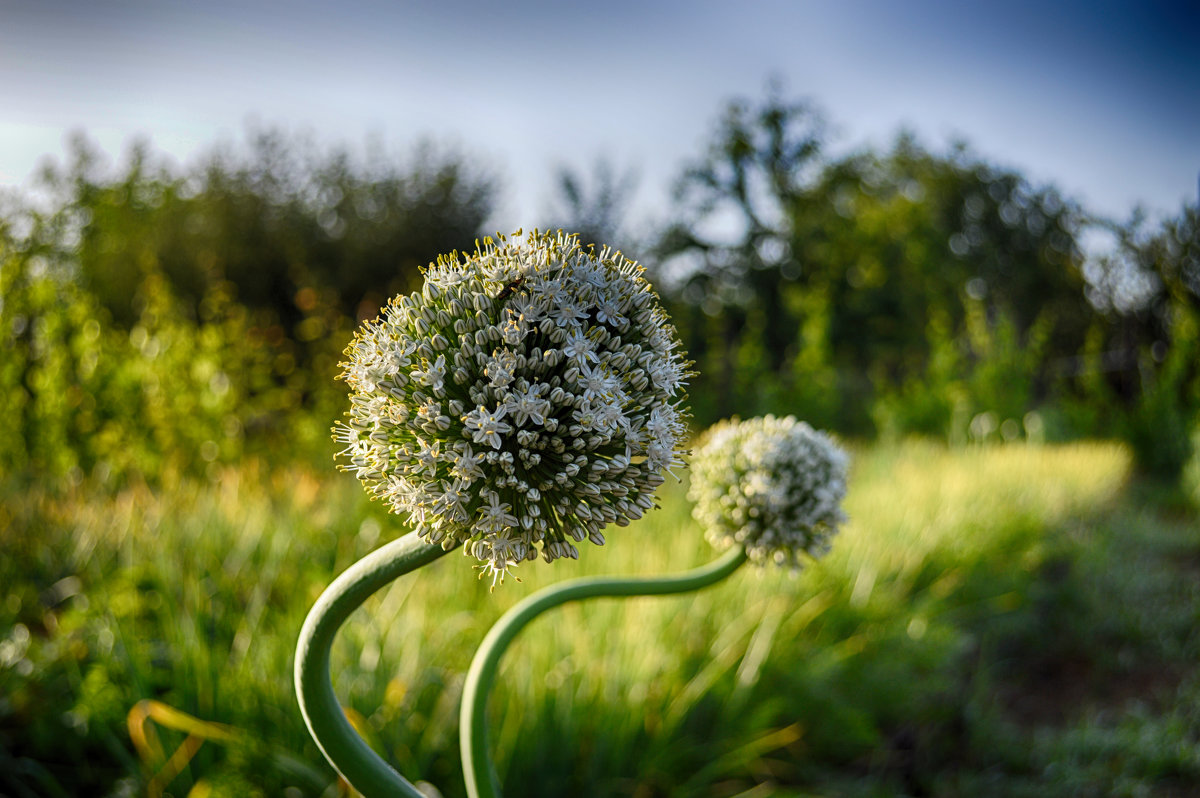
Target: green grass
x,y
994,621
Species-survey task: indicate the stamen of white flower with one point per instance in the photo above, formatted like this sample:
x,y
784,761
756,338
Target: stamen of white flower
x,y
527,405
486,425
433,375
579,348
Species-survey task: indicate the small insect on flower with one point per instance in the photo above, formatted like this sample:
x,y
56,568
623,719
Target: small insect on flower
x,y
772,485
516,405
508,290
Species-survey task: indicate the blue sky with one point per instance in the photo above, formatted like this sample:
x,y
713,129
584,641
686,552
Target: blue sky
x,y
1101,99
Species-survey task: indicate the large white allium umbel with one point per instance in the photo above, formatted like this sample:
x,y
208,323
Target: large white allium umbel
x,y
772,485
528,396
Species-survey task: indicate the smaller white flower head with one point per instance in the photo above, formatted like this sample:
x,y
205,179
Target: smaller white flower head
x,y
772,485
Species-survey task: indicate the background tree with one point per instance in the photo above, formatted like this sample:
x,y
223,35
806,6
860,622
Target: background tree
x,y
286,224
872,271
1145,381
164,317
595,206
730,247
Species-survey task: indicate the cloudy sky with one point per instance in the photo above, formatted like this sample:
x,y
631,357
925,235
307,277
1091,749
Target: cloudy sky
x,y
1100,98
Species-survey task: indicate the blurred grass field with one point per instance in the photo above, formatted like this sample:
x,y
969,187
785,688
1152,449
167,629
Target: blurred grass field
x,y
1015,620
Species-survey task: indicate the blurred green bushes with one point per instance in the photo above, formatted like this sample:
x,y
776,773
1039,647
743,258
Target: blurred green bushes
x,y
168,393
157,322
912,292
154,318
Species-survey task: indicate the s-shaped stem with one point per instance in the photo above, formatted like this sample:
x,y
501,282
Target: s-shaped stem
x,y
477,765
326,720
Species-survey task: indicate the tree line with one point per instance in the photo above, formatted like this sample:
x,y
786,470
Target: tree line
x,y
162,319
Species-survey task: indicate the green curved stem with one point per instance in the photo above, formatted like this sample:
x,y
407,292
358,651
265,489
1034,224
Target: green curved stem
x,y
477,765
326,720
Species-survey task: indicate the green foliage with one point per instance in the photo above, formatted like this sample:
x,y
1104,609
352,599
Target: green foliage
x,y
879,294
1159,426
1149,388
905,662
170,394
285,226
159,322
931,285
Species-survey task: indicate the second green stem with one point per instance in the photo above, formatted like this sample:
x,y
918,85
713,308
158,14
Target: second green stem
x,y
477,768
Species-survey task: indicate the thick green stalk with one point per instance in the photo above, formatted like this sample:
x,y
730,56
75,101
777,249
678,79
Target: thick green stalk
x,y
477,764
326,720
